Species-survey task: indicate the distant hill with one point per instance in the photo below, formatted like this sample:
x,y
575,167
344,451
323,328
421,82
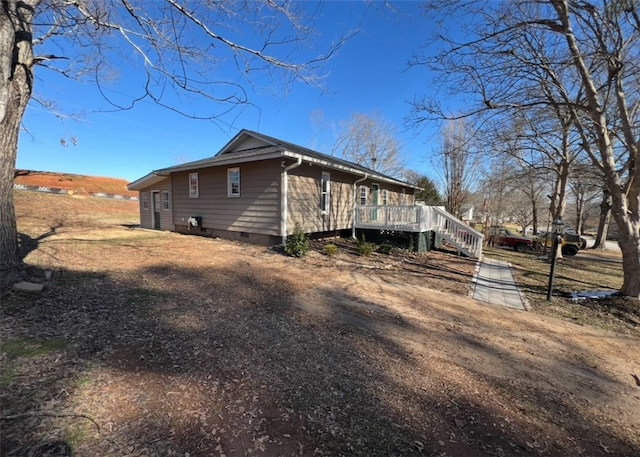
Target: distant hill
x,y
77,184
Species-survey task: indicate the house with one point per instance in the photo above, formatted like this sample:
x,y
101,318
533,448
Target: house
x,y
466,213
257,188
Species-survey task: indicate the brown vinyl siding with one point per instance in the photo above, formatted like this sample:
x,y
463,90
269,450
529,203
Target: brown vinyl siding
x,y
255,215
146,215
249,143
256,210
305,193
304,200
395,193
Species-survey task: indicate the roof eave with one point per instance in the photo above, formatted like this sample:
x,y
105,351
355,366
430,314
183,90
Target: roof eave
x,y
337,166
148,180
216,162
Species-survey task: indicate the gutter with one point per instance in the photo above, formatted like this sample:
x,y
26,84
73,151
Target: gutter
x,y
284,211
355,202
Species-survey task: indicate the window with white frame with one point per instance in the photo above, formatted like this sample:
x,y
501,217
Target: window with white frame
x,y
194,187
325,188
233,182
144,196
166,205
363,195
385,197
403,199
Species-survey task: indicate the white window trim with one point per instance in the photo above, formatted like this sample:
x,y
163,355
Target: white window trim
x,y
229,187
168,200
366,195
144,196
325,195
195,194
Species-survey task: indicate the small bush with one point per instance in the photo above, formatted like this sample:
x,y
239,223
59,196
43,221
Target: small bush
x,y
385,248
330,250
297,243
366,249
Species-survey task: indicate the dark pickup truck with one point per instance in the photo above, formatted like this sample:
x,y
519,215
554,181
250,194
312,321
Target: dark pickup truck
x,y
502,236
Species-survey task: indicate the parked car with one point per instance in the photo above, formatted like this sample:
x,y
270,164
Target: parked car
x,y
502,236
571,243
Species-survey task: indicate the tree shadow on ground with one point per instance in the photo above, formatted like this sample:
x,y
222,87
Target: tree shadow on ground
x,y
28,244
170,359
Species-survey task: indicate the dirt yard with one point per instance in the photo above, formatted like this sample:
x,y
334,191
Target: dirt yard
x,y
156,344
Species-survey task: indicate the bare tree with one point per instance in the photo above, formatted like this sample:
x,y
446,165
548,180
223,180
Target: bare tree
x,y
459,165
585,186
372,142
540,154
496,185
181,50
522,211
607,61
572,56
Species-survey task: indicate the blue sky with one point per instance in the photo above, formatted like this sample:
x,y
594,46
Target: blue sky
x,y
369,75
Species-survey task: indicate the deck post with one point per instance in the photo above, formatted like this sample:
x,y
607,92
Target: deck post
x,y
422,242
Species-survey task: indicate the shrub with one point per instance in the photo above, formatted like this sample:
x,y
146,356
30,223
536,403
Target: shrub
x,y
330,250
385,248
365,249
297,243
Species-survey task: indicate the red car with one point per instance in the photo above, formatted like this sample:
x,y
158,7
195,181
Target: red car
x,y
502,236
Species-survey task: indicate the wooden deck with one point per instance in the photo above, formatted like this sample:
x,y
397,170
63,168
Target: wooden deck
x,y
420,218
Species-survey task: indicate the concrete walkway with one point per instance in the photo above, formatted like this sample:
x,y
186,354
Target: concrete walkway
x,y
493,283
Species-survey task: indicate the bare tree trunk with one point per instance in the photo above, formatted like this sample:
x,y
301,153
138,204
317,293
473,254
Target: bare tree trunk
x,y
559,197
16,78
563,168
603,222
580,204
629,242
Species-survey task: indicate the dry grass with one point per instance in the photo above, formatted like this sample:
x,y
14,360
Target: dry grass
x,y
590,270
156,344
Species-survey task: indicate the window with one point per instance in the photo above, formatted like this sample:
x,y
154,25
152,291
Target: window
x,y
404,197
194,190
385,197
325,186
233,182
144,196
166,206
363,195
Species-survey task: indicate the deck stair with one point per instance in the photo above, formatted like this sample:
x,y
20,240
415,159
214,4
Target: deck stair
x,y
465,239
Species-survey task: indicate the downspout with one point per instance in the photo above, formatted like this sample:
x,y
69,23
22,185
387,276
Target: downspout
x,y
284,211
355,202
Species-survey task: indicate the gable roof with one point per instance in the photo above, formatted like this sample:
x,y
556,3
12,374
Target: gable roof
x,y
271,148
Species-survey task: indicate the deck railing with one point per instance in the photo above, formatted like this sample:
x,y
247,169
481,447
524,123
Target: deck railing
x,y
404,218
453,230
420,218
